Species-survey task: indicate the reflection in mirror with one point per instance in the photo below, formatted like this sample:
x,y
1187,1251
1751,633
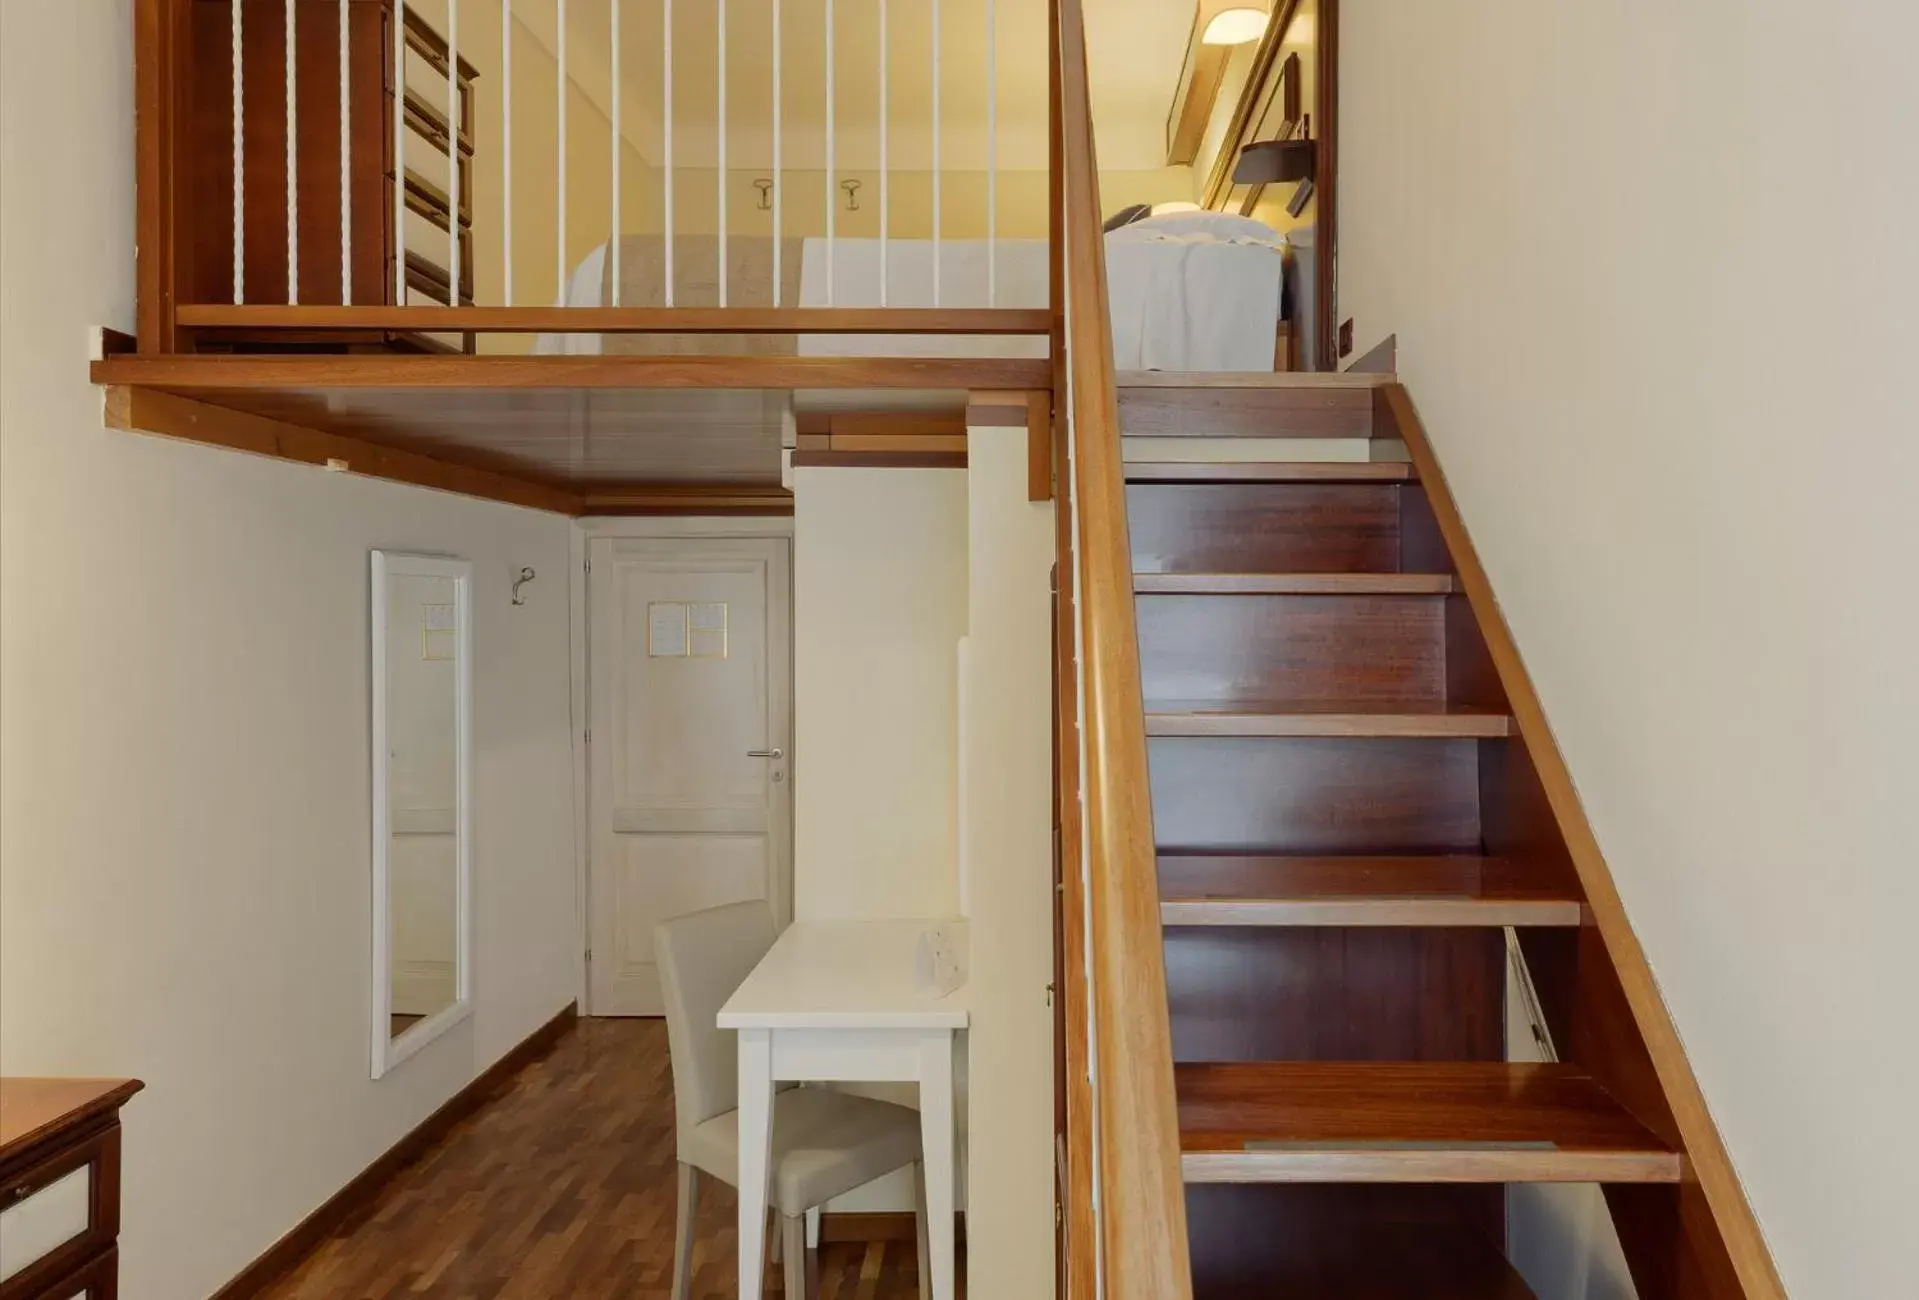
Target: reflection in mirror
x,y
421,649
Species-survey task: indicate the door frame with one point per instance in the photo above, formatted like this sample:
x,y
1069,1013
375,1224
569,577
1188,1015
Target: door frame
x,y
635,527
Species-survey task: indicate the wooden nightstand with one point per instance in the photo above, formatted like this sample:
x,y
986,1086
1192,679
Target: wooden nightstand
x,y
60,1187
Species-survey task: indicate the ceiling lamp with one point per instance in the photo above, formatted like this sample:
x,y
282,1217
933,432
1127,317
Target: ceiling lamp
x,y
1218,26
1234,27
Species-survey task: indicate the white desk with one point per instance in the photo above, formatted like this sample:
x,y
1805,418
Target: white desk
x,y
837,1001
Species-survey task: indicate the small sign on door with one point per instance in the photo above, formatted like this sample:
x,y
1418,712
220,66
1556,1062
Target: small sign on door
x,y
677,629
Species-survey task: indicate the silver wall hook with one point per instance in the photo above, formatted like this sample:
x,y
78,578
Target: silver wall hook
x,y
526,575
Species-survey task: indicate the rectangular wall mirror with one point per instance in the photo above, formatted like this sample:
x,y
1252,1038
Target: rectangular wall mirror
x,y
422,810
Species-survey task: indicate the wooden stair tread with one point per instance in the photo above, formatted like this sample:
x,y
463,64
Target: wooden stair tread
x,y
1293,584
1169,408
1253,889
1375,1259
1412,719
1309,471
1213,380
1422,1122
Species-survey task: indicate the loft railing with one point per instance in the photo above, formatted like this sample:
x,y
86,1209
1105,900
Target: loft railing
x,y
1125,1212
309,164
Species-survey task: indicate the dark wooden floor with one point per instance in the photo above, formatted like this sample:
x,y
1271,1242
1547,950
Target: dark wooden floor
x,y
563,1187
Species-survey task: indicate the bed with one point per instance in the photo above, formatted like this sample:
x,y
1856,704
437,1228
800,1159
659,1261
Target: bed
x,y
1189,291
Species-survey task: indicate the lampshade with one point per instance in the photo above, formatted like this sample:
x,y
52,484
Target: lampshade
x,y
1218,26
1235,26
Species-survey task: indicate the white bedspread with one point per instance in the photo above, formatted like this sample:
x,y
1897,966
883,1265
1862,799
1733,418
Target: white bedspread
x,y
1020,271
1195,304
1180,300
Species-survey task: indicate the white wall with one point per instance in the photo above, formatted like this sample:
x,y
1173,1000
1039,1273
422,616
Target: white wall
x,y
879,606
1651,277
1008,818
892,567
184,774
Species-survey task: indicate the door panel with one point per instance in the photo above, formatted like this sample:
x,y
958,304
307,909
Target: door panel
x,y
690,688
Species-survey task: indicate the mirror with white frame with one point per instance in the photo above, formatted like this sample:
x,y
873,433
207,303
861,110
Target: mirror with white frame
x,y
422,817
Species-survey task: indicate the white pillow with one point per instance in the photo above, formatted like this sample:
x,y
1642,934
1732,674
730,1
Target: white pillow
x,y
1223,227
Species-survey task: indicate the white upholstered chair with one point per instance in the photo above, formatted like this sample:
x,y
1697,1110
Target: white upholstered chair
x,y
825,1143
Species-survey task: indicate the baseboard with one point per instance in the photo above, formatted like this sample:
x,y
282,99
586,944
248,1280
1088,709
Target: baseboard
x,y
289,1251
876,1225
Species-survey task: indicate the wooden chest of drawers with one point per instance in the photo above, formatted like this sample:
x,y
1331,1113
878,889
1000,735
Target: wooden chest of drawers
x,y
60,1187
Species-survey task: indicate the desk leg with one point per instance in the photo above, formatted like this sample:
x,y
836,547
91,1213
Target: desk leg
x,y
756,1150
936,1138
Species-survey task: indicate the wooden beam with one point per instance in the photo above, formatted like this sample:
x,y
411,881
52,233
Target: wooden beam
x,y
159,41
688,499
201,375
1032,411
622,320
899,425
1039,447
885,432
831,459
145,411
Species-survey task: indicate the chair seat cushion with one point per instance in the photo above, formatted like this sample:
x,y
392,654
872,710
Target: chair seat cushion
x,y
825,1143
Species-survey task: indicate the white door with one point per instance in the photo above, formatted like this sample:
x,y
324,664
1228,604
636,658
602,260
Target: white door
x,y
690,714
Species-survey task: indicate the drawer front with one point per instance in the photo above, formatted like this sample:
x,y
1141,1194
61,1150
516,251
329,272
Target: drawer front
x,y
43,1218
58,1215
97,1279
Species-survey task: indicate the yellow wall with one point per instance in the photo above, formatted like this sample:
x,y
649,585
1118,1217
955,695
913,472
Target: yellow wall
x,y
1021,198
1007,818
1302,38
1021,202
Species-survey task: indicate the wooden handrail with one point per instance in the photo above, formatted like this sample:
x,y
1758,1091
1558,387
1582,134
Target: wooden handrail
x,y
1141,1227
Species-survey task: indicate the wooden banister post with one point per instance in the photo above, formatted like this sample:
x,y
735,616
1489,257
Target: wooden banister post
x,y
159,47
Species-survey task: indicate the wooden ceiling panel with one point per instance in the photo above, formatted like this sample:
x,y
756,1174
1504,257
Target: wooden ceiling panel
x,y
575,434
575,438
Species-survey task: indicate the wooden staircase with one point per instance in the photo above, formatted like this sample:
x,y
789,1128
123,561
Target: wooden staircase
x,y
1349,823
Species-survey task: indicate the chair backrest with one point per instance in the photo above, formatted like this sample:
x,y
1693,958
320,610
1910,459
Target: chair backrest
x,y
703,957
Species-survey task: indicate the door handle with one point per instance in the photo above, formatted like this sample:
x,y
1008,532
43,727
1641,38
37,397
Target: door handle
x,y
766,753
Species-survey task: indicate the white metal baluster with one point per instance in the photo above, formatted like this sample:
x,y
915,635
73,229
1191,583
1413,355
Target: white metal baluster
x,y
936,153
346,158
239,161
454,264
293,162
560,234
618,121
399,153
506,152
831,181
992,153
885,264
777,186
722,151
666,116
